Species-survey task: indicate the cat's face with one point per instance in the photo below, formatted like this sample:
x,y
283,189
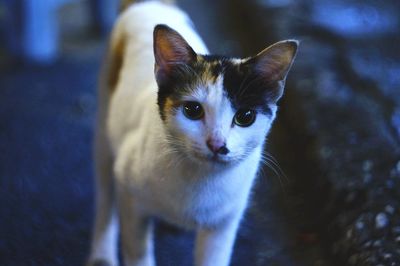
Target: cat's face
x,y
217,109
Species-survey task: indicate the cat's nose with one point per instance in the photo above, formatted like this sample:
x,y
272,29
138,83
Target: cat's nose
x,y
217,146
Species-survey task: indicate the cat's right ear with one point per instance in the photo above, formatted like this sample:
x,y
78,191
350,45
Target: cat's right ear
x,y
170,51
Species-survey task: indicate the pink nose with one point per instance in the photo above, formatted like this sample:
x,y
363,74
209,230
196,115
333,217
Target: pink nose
x,y
217,145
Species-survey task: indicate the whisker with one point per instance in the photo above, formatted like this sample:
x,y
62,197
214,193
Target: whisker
x,y
271,159
282,185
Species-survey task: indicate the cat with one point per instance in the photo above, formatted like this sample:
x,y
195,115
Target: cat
x,y
180,135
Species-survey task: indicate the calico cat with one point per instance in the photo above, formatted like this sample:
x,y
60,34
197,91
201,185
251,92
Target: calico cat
x,y
180,135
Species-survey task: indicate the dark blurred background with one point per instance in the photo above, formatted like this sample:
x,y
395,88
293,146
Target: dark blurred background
x,y
333,199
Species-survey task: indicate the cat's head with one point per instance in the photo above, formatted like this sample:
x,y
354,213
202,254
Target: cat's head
x,y
214,108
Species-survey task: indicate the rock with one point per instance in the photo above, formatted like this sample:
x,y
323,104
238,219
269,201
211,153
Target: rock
x,y
367,178
389,209
349,234
377,243
381,220
387,256
325,153
359,225
378,67
353,260
367,165
396,124
354,18
368,244
275,3
345,92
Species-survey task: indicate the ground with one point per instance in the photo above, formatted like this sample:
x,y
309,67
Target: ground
x,y
336,140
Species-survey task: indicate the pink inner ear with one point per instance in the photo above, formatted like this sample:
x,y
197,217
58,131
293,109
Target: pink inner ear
x,y
269,69
170,48
274,62
172,51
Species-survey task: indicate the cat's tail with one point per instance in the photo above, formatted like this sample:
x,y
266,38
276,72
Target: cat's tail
x,y
126,3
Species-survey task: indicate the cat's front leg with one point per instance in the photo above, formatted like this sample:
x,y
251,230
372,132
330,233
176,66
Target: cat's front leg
x,y
105,233
136,233
214,245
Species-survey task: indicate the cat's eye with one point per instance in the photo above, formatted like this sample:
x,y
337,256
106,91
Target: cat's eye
x,y
193,110
244,117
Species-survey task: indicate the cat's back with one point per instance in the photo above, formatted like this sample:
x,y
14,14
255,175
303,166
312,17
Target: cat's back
x,y
133,34
135,89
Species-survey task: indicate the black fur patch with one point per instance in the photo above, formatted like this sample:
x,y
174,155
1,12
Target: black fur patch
x,y
243,86
248,89
179,82
182,80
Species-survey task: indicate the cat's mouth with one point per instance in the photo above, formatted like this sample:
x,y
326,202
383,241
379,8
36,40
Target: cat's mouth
x,y
219,159
212,158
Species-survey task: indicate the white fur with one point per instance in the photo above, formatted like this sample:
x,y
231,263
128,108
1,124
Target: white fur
x,y
163,170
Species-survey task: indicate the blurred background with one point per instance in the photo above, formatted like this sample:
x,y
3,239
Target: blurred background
x,y
331,198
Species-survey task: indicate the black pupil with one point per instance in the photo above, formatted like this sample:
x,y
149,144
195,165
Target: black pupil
x,y
244,117
193,110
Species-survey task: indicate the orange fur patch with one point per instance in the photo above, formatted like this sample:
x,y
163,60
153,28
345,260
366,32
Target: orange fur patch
x,y
170,105
115,64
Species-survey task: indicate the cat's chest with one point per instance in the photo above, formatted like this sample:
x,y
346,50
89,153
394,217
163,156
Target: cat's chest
x,y
190,206
207,201
178,192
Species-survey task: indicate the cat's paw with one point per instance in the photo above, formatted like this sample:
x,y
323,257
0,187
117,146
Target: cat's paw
x,y
99,262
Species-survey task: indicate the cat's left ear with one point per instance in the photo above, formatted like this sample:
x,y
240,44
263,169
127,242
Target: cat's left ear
x,y
273,63
170,51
